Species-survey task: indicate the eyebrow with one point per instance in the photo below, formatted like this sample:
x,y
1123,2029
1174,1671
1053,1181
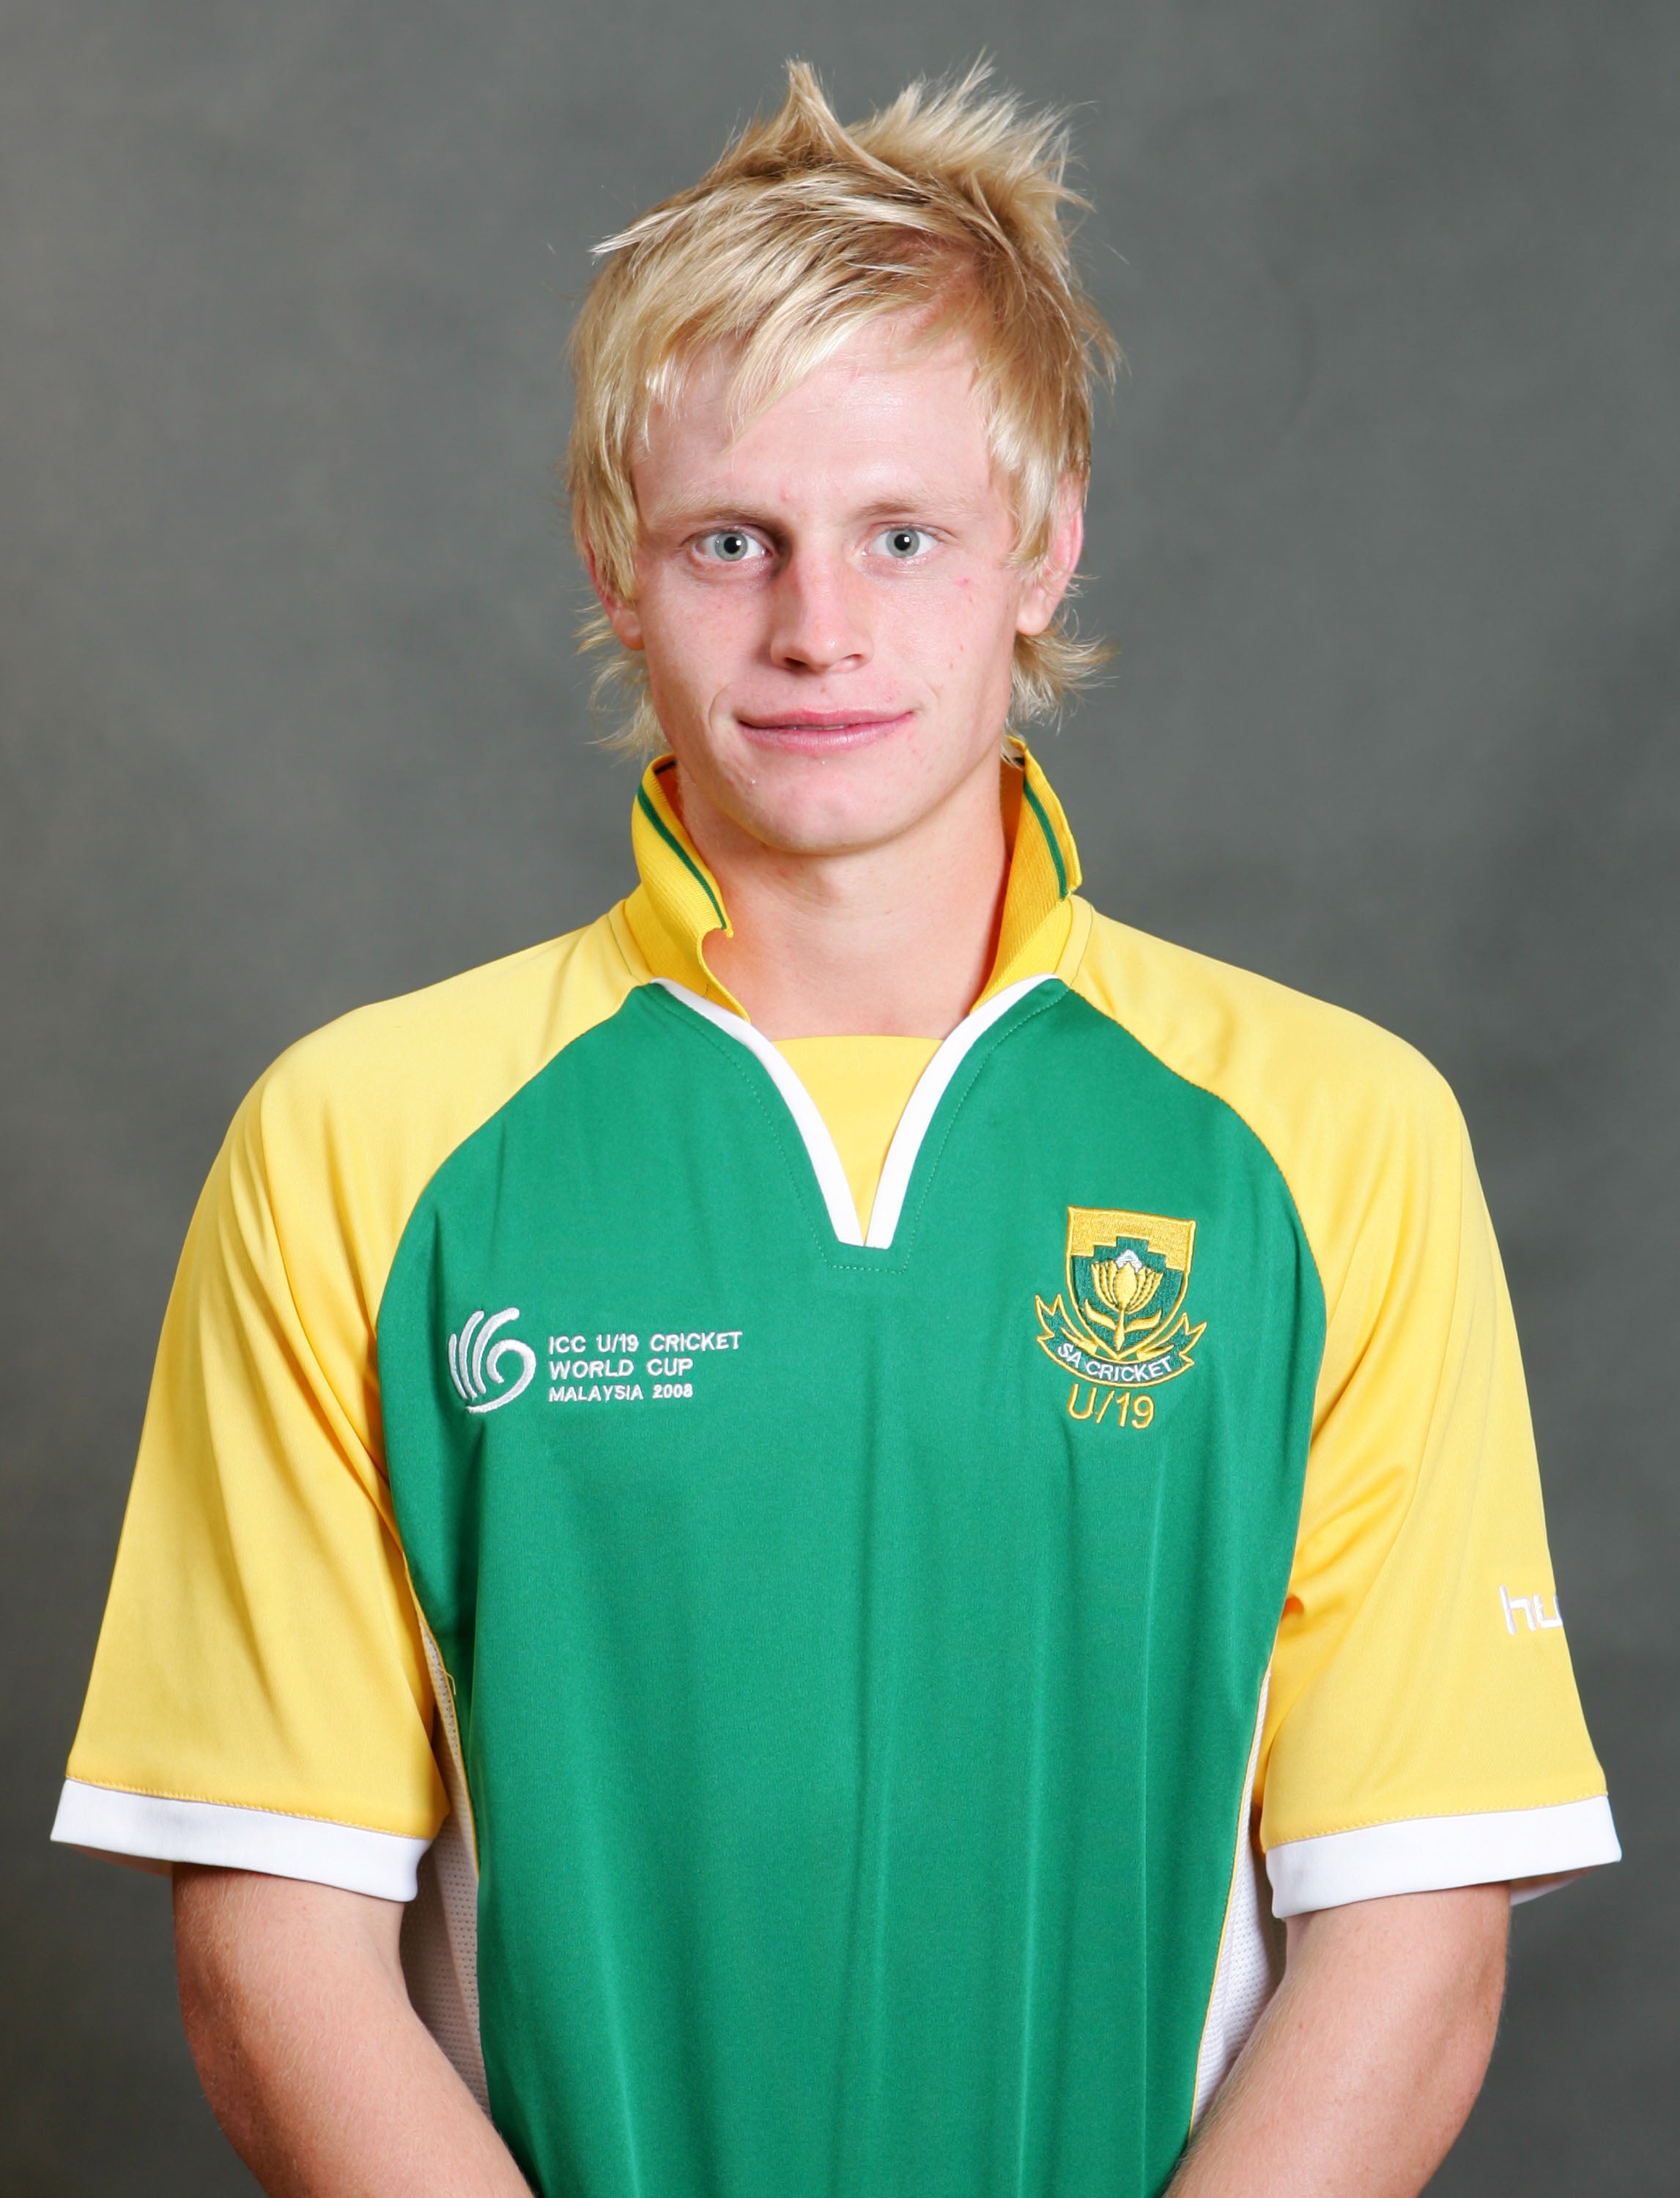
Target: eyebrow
x,y
680,518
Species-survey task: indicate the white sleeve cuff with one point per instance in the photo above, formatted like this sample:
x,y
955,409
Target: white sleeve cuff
x,y
1428,1854
149,1826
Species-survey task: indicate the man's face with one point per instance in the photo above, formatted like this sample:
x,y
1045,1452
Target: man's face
x,y
825,600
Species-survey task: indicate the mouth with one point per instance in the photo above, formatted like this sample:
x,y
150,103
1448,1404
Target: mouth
x,y
822,732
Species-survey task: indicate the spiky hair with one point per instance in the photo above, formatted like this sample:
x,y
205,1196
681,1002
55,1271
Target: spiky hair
x,y
951,204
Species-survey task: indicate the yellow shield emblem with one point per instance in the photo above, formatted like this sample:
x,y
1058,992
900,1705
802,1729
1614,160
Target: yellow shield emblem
x,y
1118,1320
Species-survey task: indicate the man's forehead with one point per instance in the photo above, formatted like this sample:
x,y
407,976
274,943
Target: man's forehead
x,y
877,422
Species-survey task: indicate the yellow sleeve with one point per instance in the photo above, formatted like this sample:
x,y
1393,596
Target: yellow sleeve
x,y
260,1651
1422,1728
260,1696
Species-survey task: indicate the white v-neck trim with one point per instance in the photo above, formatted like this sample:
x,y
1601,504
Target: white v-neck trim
x,y
819,1146
913,1124
923,1105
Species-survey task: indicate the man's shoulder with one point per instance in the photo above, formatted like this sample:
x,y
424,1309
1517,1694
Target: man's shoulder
x,y
528,1002
370,1106
1335,1099
1205,1015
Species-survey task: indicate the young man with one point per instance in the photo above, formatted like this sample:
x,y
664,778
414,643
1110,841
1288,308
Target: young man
x,y
823,1466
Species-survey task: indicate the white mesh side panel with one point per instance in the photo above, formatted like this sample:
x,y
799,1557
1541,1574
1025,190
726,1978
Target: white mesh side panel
x,y
1250,1951
440,1926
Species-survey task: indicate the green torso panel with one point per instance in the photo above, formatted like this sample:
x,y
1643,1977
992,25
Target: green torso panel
x,y
855,1681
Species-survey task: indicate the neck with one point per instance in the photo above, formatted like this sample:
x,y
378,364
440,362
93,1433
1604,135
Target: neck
x,y
893,940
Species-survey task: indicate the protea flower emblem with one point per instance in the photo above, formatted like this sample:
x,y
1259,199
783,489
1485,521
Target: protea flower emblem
x,y
1125,1286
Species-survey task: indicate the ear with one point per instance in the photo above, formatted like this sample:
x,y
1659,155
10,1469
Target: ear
x,y
1042,597
621,616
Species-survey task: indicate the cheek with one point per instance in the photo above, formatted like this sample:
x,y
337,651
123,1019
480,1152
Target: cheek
x,y
688,629
970,624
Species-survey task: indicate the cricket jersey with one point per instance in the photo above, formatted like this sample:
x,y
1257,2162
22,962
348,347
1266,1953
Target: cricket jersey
x,y
851,1583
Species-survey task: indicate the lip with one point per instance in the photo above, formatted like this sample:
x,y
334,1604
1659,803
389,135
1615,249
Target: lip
x,y
822,732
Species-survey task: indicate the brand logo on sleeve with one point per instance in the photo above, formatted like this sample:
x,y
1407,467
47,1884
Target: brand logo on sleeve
x,y
478,1355
1118,1325
1533,1609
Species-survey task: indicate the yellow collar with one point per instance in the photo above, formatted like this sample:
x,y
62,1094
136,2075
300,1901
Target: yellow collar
x,y
679,904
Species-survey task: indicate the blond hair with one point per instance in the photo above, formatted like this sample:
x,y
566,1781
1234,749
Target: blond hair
x,y
949,203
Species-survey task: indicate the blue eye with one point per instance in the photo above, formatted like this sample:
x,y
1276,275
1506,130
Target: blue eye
x,y
905,542
731,545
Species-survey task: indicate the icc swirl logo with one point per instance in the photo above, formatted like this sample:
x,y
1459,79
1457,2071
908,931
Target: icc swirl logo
x,y
475,1362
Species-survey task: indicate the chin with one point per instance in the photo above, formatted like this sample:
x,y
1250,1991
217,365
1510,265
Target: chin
x,y
830,819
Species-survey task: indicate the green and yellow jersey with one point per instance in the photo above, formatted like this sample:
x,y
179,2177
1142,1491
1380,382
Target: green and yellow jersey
x,y
832,1573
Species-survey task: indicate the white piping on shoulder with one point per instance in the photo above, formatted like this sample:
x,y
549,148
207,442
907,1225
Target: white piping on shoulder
x,y
913,1126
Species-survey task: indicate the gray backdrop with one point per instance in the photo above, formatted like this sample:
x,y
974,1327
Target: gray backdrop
x,y
1384,516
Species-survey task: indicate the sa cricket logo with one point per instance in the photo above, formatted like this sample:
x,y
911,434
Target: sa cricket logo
x,y
473,1365
1121,1327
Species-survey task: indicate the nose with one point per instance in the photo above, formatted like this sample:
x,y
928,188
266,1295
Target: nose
x,y
819,620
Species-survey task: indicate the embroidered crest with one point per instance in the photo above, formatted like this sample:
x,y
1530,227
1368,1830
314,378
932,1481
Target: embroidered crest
x,y
1120,1321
